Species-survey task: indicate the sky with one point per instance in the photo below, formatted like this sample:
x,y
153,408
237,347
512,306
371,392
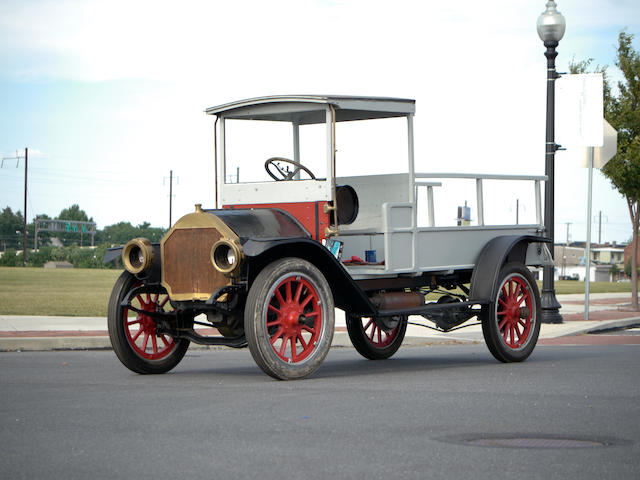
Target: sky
x,y
109,96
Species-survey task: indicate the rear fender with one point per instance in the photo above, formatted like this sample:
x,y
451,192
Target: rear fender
x,y
529,250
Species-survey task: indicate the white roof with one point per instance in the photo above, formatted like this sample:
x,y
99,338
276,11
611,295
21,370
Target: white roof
x,y
308,109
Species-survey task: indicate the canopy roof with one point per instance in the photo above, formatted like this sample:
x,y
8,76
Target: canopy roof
x,y
309,109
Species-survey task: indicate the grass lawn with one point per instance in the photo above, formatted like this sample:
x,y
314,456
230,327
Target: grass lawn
x,y
571,286
85,292
69,292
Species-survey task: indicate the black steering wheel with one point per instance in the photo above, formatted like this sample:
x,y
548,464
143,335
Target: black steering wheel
x,y
284,172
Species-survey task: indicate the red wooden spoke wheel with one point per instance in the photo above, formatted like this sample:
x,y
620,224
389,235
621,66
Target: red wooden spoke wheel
x,y
134,336
376,338
515,311
288,319
511,322
294,319
141,330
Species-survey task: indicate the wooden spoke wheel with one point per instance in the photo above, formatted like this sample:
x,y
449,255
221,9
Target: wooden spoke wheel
x,y
511,322
376,338
289,319
135,337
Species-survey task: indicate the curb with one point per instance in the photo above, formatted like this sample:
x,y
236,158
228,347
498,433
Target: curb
x,y
37,344
340,339
612,325
34,344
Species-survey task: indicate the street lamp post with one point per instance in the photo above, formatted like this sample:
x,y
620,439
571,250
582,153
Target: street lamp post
x,y
551,26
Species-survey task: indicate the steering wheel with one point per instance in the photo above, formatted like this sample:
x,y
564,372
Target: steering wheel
x,y
284,172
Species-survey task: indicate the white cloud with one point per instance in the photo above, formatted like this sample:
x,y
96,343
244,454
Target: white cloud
x,y
476,69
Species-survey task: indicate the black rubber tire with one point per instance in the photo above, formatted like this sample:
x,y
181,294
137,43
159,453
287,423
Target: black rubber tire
x,y
362,342
117,322
497,341
262,295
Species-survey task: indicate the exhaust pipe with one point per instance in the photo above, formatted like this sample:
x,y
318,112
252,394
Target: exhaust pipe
x,y
397,300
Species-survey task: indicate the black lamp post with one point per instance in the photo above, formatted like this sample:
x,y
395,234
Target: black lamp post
x,y
551,26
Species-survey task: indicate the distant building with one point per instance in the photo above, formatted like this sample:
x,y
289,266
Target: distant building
x,y
571,260
608,255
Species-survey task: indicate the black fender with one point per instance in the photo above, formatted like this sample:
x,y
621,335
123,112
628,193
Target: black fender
x,y
347,295
495,254
112,253
153,275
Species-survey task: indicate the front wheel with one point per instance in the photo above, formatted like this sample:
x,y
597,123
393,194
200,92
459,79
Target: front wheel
x,y
289,319
511,322
376,338
134,336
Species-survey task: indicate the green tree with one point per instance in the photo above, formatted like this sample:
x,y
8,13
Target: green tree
x,y
122,232
615,272
623,113
74,213
624,169
10,223
627,268
10,258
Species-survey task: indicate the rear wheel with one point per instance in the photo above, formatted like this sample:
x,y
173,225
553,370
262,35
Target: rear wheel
x,y
376,338
511,322
289,319
135,337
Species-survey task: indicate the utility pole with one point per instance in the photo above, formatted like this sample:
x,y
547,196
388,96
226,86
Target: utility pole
x,y
170,192
24,238
517,211
24,226
606,219
24,246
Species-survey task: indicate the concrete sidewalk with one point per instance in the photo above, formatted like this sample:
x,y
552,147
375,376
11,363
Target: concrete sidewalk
x,y
607,311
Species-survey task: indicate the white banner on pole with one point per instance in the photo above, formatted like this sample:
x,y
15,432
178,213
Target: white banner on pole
x,y
579,110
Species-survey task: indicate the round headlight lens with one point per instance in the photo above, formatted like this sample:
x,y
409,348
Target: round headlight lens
x,y
137,255
225,257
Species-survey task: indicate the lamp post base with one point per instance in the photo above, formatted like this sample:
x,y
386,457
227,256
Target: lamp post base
x,y
550,307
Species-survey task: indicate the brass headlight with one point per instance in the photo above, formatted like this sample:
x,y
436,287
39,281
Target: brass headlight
x,y
137,255
226,256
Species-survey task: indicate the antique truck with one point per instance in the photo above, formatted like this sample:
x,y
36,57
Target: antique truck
x,y
284,246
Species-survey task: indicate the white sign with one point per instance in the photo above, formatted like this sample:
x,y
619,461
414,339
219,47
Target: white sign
x,y
601,155
579,110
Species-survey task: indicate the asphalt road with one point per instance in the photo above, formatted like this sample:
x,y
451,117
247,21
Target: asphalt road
x,y
83,415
